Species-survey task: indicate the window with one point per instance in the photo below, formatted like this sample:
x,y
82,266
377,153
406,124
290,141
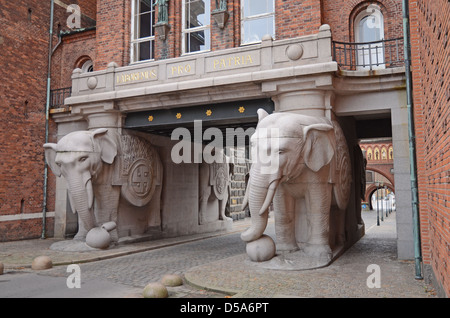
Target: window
x,y
196,25
87,66
369,27
143,33
257,20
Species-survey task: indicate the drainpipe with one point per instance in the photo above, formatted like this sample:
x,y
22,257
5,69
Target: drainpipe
x,y
47,111
412,144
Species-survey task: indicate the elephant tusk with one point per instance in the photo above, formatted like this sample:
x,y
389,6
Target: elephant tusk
x,y
72,202
90,193
269,197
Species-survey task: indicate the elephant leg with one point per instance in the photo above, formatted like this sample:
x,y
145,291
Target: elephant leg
x,y
106,206
222,209
82,232
203,202
319,200
284,208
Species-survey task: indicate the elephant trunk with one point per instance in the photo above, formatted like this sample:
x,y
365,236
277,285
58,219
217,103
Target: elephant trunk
x,y
259,199
81,195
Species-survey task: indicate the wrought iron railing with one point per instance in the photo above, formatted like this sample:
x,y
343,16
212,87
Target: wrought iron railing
x,y
369,55
57,97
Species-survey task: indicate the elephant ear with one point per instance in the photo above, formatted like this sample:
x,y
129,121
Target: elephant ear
x,y
108,148
50,155
262,114
318,148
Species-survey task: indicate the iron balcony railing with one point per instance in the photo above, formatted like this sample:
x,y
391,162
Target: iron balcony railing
x,y
57,97
369,55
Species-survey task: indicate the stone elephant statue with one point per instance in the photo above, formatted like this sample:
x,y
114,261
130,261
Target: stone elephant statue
x,y
302,164
105,170
214,190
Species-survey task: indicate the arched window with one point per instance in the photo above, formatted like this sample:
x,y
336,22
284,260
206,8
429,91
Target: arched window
x,y
369,31
369,154
87,66
376,154
383,153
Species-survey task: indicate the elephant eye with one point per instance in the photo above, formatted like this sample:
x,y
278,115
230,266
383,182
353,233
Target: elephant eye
x,y
82,159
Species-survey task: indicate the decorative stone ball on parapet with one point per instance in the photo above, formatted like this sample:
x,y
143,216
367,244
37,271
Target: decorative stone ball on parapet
x,y
261,250
41,263
155,290
172,280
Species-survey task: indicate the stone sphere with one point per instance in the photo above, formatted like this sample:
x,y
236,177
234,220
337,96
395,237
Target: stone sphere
x,y
294,52
172,280
262,249
98,237
155,290
1,268
41,262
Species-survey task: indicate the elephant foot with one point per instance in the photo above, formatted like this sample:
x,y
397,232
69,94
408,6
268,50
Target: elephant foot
x,y
80,236
225,218
321,252
284,248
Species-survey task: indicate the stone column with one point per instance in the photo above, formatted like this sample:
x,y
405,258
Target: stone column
x,y
402,178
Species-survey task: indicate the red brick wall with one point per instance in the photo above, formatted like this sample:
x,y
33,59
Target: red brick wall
x,y
24,48
297,18
24,60
340,14
113,33
229,36
430,28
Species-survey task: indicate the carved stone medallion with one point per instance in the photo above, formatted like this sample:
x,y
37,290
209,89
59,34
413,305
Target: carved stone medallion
x,y
141,183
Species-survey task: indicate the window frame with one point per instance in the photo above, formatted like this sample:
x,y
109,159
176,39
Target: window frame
x,y
375,10
254,18
135,29
365,14
88,66
186,31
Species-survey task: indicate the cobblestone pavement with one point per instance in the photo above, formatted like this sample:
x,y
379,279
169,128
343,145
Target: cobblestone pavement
x,y
346,277
217,267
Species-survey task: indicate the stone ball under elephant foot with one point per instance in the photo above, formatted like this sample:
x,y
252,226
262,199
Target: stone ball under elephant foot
x,y
99,237
41,263
155,290
262,249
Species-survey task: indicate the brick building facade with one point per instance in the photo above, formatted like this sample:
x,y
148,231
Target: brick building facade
x,y
123,32
430,27
23,105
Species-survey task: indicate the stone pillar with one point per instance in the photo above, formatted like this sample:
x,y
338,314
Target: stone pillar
x,y
307,102
402,178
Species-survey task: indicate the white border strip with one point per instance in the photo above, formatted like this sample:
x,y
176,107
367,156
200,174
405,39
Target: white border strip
x,y
26,216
